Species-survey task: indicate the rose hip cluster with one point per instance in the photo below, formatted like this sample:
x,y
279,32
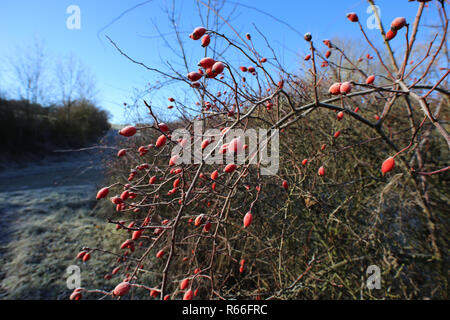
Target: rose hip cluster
x,y
208,66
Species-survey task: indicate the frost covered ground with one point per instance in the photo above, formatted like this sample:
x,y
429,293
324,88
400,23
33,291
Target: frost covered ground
x,y
48,212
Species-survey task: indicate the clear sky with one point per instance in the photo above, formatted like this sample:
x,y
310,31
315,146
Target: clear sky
x,y
137,32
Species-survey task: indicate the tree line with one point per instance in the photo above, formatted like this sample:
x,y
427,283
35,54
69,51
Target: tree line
x,y
47,102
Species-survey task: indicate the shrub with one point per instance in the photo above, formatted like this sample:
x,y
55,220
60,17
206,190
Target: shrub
x,y
32,128
316,225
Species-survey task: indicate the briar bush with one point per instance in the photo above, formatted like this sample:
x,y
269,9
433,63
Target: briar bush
x,y
362,178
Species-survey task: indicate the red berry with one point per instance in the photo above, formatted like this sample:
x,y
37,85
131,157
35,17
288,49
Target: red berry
x,y
336,134
160,254
304,162
398,23
173,160
345,88
340,115
184,283
121,152
370,79
118,225
285,185
307,57
161,141
335,89
172,191
214,175
328,54
353,17
391,34
115,270
248,219
126,244
81,254
307,36
122,289
210,73
235,146
116,200
205,143
75,295
388,165
198,33
154,293
207,227
86,257
218,68
230,168
194,76
206,40
128,131
136,234
206,62
163,127
321,171
103,192
198,220
124,195
188,295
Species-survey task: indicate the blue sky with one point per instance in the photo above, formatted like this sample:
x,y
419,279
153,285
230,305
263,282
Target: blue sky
x,y
136,32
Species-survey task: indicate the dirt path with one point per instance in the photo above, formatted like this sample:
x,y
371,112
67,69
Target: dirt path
x,y
47,212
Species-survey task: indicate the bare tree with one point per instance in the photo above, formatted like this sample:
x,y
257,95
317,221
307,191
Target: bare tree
x,y
29,69
74,81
